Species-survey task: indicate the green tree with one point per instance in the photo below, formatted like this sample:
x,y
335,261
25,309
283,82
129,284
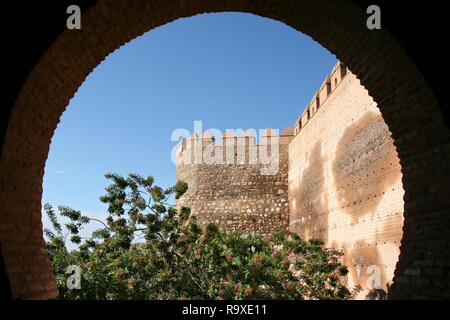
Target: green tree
x,y
148,249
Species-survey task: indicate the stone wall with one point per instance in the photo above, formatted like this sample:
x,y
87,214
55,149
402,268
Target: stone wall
x,y
237,193
345,180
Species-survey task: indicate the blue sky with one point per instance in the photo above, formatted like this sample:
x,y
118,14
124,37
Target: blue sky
x,y
229,70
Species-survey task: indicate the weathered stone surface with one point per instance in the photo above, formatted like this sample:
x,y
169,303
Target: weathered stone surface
x,y
237,196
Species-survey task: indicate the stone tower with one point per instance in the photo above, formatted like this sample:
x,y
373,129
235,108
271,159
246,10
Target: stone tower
x,y
238,184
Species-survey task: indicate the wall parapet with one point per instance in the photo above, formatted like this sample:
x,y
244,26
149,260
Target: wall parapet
x,y
245,188
232,148
327,87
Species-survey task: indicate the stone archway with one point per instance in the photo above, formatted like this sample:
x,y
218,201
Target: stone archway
x,y
406,102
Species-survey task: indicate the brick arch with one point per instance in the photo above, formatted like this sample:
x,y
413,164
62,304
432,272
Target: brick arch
x,y
406,102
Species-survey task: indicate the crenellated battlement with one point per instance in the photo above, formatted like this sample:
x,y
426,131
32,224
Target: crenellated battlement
x,y
236,180
332,81
234,148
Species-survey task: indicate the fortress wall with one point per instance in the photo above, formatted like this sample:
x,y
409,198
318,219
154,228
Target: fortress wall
x,y
345,180
239,194
338,179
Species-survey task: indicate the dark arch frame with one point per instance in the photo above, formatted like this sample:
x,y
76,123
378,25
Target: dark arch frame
x,y
407,104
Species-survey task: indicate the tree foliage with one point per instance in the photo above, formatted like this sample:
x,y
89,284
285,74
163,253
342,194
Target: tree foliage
x,y
148,249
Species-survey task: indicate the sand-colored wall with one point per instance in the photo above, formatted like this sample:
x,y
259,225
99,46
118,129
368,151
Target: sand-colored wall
x,y
345,180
